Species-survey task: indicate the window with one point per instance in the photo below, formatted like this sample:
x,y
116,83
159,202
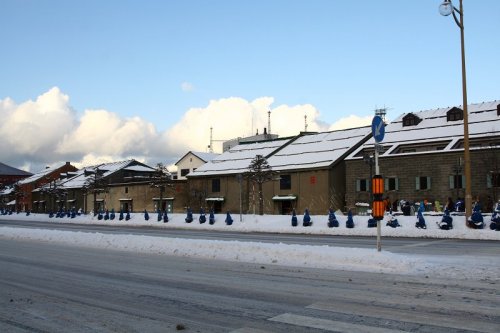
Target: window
x,y
126,189
411,120
457,181
216,185
455,114
184,172
391,184
362,185
285,182
423,183
493,179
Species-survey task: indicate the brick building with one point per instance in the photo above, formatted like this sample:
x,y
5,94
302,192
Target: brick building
x,y
124,185
25,187
310,174
423,157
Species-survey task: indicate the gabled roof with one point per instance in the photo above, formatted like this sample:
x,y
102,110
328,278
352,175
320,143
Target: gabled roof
x,y
108,169
7,170
40,174
237,159
205,157
318,150
305,151
483,121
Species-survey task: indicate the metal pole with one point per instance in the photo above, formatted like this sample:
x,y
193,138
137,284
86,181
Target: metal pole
x,y
379,229
240,180
468,180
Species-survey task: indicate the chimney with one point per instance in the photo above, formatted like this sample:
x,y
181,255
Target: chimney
x,y
265,131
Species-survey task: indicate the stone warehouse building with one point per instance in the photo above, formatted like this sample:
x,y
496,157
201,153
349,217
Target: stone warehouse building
x,y
422,157
310,174
124,185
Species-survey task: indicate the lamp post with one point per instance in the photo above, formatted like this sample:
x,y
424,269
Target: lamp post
x,y
445,9
371,162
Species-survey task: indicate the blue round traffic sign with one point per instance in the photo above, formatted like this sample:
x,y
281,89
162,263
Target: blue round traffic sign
x,y
378,129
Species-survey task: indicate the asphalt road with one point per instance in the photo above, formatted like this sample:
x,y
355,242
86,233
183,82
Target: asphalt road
x,y
54,288
454,247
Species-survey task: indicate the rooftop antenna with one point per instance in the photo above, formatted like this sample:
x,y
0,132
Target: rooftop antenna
x,y
305,123
269,122
211,146
381,112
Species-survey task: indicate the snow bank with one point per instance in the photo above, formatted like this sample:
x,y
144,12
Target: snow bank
x,y
353,259
329,257
282,224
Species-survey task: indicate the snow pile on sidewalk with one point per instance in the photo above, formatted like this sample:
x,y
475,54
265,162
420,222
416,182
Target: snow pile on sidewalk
x,y
282,224
352,259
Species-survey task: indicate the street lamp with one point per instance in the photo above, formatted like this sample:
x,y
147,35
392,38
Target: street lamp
x,y
445,9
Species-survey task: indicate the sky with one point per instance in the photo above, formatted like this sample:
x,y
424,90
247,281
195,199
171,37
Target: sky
x,y
99,81
329,257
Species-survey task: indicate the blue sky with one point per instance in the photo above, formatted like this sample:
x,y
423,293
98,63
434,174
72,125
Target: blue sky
x,y
158,59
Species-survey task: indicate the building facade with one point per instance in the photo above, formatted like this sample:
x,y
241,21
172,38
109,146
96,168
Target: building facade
x,y
423,154
309,174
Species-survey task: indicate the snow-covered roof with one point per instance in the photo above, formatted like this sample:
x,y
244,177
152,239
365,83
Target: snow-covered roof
x,y
80,179
141,168
39,175
305,151
237,159
434,127
318,150
7,191
205,156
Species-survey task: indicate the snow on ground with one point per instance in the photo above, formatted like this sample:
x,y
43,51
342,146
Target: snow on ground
x,y
354,259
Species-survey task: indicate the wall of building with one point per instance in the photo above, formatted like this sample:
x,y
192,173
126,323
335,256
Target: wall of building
x,y
190,162
26,201
316,190
438,166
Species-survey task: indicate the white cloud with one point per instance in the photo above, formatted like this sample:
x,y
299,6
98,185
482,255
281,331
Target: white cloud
x,y
34,128
186,86
48,131
236,117
351,122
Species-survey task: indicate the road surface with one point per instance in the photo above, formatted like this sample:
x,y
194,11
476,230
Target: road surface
x,y
56,288
397,244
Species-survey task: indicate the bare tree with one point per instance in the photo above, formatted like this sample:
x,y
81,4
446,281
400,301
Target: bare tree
x,y
54,192
161,179
260,172
95,183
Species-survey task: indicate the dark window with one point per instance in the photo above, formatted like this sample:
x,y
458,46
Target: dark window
x,y
455,114
423,183
391,184
457,181
216,185
411,120
126,189
285,182
493,179
362,185
184,172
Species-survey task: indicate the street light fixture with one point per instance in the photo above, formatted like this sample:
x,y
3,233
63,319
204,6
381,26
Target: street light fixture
x,y
445,9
